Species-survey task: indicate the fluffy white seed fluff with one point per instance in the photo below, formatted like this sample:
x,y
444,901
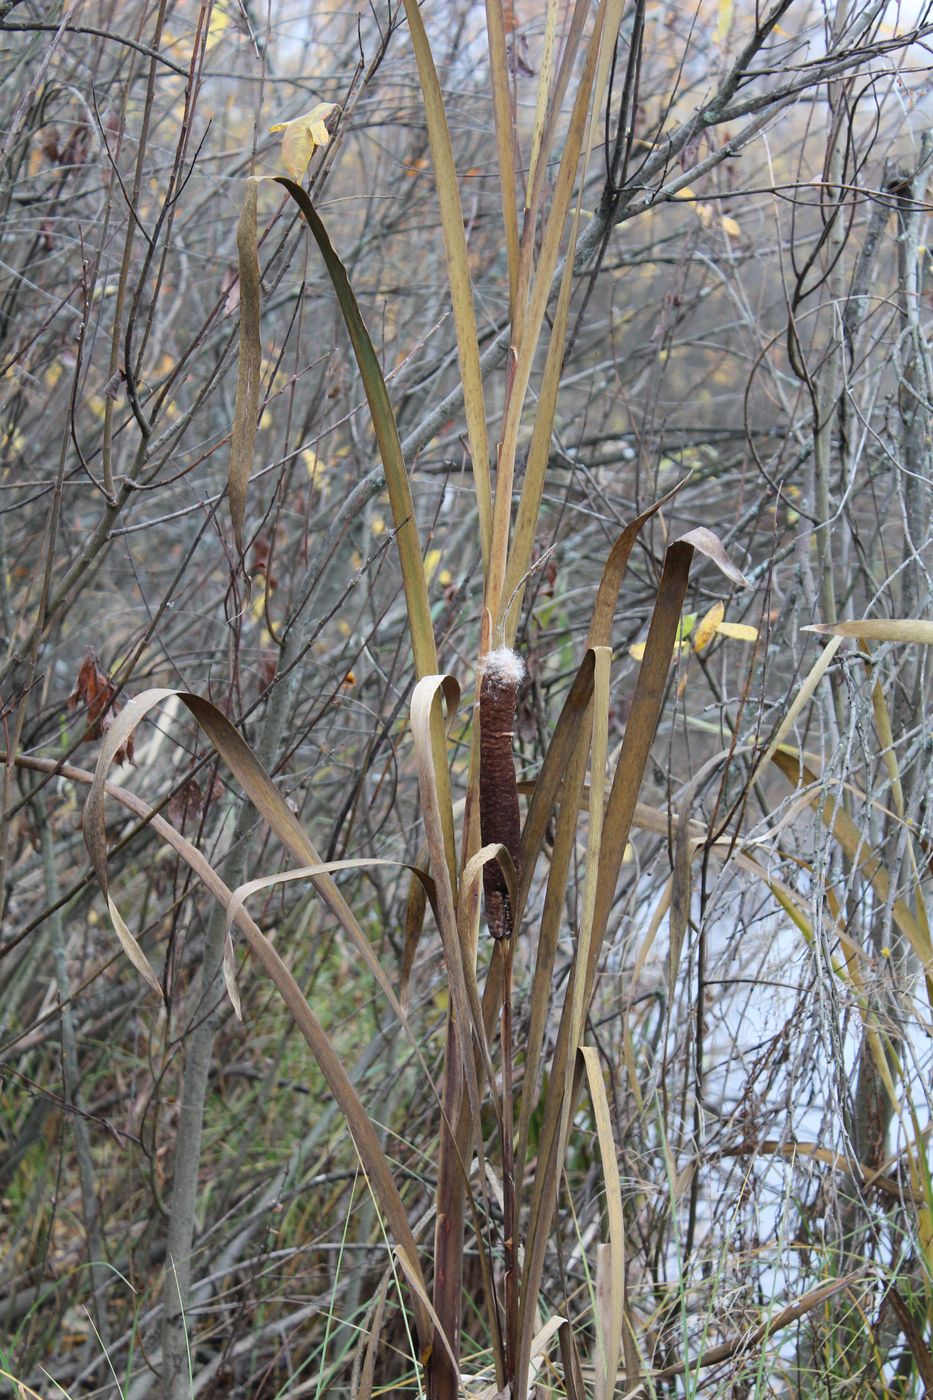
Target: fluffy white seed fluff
x,y
504,667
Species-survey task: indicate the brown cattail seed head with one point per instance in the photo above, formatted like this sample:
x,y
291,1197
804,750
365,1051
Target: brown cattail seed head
x,y
499,818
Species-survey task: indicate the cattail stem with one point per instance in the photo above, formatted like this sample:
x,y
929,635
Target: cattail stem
x,y
500,821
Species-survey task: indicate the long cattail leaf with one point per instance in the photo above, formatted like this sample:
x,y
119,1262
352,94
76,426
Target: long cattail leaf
x,y
544,98
558,1109
554,770
607,595
879,629
506,141
532,492
433,784
386,429
645,712
458,270
529,330
249,366
566,762
639,733
537,186
610,1326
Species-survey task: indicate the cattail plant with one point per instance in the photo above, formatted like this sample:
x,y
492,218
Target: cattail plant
x,y
495,845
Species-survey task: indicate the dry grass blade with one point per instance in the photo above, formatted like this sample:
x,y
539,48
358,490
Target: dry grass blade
x,y
803,697
229,973
526,336
433,786
415,909
131,947
570,1364
679,895
249,366
412,1272
367,1378
610,1326
457,270
506,146
403,512
327,867
885,733
22,1390
879,629
837,1161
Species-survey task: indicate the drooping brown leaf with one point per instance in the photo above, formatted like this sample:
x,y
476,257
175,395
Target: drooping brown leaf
x,y
94,689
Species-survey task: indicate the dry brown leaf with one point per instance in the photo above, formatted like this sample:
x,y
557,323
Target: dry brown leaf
x,y
94,689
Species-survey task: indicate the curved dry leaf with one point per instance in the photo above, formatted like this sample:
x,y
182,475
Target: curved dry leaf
x,y
132,949
308,872
229,971
386,430
712,546
303,136
879,629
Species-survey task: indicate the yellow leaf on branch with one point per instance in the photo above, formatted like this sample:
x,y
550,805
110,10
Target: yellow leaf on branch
x,y
303,136
738,631
708,626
